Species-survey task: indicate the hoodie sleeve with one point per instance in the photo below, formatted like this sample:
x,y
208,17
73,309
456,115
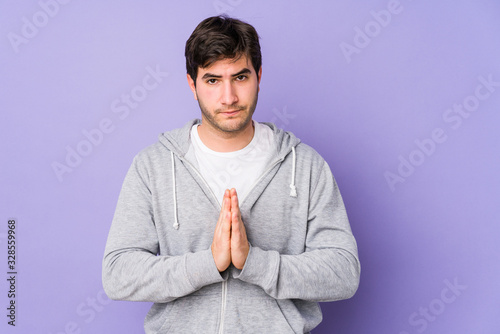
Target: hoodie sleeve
x,y
132,270
328,269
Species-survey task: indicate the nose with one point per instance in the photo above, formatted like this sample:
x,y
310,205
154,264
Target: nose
x,y
229,96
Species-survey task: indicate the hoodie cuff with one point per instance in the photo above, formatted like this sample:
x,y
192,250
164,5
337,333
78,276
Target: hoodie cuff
x,y
261,268
201,269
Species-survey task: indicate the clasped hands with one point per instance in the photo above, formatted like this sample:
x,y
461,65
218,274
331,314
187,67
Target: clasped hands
x,y
230,243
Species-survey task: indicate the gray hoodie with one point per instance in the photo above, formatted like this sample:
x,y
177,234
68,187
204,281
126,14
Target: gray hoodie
x,y
158,249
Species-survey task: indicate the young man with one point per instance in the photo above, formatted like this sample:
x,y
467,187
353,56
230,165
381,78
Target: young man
x,y
229,225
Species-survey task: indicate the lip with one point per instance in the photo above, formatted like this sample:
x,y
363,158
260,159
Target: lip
x,y
230,112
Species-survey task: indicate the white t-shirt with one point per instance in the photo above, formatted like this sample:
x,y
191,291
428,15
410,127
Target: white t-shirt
x,y
239,169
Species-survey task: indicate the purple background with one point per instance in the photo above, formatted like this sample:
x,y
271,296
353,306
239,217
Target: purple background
x,y
363,111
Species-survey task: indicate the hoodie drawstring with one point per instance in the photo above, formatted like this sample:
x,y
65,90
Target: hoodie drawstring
x,y
176,223
293,189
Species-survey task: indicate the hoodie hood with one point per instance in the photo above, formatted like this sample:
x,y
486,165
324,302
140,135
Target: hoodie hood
x,y
178,140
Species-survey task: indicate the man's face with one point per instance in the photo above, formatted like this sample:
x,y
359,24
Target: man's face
x,y
227,94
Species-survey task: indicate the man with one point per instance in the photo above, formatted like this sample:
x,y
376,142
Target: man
x,y
229,225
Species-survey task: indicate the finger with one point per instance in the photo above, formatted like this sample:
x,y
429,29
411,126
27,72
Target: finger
x,y
235,222
226,206
234,196
226,220
238,227
239,241
227,194
218,225
224,227
235,207
234,200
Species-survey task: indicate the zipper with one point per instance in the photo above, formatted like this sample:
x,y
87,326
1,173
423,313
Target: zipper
x,y
224,283
223,307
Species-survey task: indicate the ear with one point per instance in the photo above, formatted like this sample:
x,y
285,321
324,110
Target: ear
x,y
192,86
259,76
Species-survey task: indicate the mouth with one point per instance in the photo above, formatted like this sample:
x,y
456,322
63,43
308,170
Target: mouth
x,y
230,113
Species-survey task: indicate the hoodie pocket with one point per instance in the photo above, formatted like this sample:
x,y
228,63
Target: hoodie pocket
x,y
191,314
262,314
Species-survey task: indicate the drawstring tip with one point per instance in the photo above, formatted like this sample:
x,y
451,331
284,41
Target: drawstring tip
x,y
176,225
293,190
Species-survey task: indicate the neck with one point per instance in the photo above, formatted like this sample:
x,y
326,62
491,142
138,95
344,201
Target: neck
x,y
221,141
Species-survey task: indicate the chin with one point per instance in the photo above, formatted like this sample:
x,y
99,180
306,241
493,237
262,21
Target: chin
x,y
233,125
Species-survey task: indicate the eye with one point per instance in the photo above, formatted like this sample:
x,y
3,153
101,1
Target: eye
x,y
211,81
241,77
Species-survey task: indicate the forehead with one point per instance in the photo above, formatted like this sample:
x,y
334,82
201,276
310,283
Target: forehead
x,y
227,66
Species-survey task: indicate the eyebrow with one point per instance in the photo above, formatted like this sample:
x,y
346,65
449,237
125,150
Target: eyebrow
x,y
211,75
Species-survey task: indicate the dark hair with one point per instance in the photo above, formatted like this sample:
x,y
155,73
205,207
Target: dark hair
x,y
221,37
